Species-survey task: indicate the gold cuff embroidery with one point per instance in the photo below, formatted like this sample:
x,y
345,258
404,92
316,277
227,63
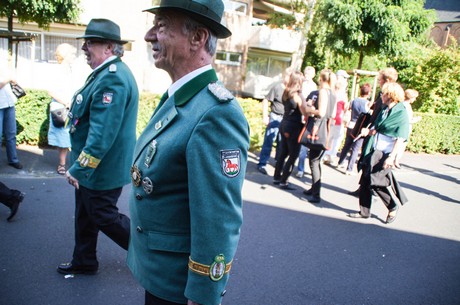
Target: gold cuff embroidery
x,y
86,160
207,270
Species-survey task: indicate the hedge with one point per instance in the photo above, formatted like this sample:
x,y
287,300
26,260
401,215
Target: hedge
x,y
435,133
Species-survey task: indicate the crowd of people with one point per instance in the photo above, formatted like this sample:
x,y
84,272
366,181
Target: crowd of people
x,y
376,134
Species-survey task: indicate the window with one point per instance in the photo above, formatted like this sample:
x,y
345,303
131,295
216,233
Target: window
x,y
267,64
228,58
51,42
236,7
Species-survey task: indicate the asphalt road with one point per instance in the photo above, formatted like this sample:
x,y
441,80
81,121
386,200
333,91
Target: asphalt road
x,y
291,252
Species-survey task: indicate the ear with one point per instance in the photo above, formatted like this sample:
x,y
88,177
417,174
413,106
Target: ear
x,y
199,38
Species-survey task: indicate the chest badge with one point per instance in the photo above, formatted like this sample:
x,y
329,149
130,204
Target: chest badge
x,y
79,99
147,185
230,162
151,150
136,175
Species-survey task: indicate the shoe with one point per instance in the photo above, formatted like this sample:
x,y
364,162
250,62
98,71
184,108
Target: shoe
x,y
61,169
262,170
299,174
357,215
308,192
354,193
15,206
314,199
68,268
287,186
391,218
16,165
276,182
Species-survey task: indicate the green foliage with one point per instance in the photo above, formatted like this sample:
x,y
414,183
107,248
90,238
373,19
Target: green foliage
x,y
147,104
32,117
32,114
365,27
43,12
435,74
435,133
253,111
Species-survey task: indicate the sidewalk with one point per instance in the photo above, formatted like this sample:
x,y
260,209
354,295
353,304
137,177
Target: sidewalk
x,y
43,163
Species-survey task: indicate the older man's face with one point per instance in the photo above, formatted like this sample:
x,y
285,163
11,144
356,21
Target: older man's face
x,y
171,47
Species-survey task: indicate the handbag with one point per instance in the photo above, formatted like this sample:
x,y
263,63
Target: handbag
x,y
59,116
17,90
361,122
315,134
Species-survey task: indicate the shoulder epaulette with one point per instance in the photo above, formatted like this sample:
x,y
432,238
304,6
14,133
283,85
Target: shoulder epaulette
x,y
220,92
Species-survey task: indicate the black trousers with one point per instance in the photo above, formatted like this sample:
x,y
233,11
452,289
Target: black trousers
x,y
150,299
374,166
314,158
7,194
97,211
290,149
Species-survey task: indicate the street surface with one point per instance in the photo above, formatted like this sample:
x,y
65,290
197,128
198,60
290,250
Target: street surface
x,y
291,252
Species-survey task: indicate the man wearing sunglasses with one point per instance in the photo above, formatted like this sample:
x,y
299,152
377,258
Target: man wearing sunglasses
x,y
102,122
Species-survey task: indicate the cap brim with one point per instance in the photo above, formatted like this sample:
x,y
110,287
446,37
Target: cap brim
x,y
217,28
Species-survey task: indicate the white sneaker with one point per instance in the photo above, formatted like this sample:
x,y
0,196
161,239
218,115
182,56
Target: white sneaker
x,y
299,174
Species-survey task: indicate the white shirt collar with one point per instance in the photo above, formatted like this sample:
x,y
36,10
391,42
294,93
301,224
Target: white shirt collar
x,y
186,78
106,61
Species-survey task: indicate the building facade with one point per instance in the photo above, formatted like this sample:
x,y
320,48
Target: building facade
x,y
248,62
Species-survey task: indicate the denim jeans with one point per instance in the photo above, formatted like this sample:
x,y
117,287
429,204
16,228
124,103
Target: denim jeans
x,y
8,129
302,157
271,133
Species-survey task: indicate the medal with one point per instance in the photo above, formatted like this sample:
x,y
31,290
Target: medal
x,y
136,175
147,185
217,269
151,150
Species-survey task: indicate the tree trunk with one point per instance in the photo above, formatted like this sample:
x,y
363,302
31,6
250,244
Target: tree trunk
x,y
10,39
361,58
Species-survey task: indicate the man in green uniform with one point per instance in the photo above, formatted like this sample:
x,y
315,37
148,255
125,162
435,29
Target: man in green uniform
x,y
189,165
102,122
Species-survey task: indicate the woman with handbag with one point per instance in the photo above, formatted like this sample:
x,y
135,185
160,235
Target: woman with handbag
x,y
290,128
388,133
321,112
58,134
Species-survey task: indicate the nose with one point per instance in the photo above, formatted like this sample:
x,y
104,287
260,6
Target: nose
x,y
150,35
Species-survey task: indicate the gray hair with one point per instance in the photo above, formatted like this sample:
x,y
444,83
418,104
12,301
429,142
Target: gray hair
x,y
118,49
190,25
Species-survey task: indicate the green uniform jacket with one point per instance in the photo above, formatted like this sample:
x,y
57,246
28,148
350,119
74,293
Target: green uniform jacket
x,y
192,160
103,125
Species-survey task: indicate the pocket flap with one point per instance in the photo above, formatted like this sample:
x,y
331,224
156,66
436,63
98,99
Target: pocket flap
x,y
169,242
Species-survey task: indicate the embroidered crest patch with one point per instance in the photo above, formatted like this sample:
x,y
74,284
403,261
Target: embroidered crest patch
x,y
107,98
231,162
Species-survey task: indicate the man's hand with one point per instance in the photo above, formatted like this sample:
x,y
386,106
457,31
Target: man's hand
x,y
72,181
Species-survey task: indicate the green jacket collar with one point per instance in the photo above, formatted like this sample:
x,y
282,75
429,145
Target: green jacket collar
x,y
187,91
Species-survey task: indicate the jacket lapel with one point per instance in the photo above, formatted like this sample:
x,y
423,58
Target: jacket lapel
x,y
166,112
162,118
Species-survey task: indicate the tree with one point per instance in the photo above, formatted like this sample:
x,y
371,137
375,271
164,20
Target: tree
x,y
43,12
368,27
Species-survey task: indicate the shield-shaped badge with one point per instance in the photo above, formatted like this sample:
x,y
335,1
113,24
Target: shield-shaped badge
x,y
231,162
